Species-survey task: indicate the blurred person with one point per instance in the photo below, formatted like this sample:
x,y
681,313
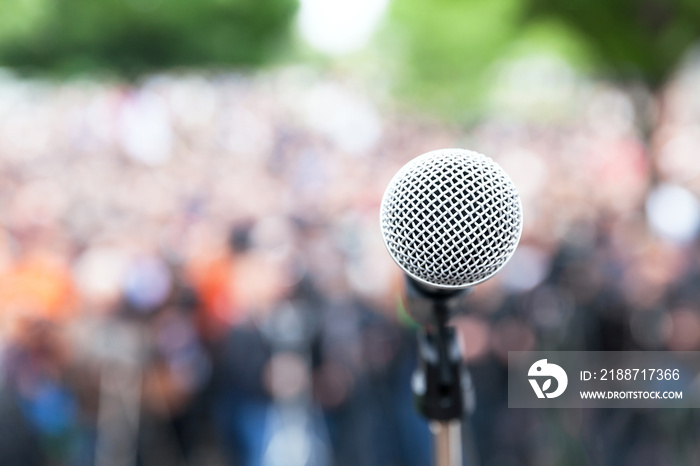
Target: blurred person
x,y
35,366
210,267
38,299
37,284
241,402
176,425
364,360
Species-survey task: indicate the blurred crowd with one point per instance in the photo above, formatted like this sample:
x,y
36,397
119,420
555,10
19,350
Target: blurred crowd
x,y
191,268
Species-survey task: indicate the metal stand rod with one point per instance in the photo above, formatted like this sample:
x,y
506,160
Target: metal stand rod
x,y
438,390
447,443
439,382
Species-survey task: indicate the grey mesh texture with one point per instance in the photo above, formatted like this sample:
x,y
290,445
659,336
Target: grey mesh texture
x,y
451,218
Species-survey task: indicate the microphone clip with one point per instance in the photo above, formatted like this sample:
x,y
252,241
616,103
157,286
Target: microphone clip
x,y
438,384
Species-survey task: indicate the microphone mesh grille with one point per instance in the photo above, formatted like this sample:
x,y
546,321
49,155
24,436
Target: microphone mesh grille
x,y
451,218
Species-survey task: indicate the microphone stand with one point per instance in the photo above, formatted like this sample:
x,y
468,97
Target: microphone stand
x,y
438,380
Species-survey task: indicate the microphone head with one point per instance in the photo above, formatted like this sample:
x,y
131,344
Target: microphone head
x,y
451,218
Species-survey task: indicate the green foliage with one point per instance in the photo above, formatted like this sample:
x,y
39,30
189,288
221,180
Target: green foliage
x,y
135,36
449,45
20,17
551,36
641,39
449,48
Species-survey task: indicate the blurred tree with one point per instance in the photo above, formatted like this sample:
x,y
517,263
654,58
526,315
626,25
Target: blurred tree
x,y
20,17
448,47
631,39
134,36
634,41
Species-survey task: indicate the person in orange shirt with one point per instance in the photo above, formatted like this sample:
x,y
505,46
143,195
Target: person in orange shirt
x,y
38,286
211,270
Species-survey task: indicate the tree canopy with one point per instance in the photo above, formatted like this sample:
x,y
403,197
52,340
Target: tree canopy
x,y
449,47
134,36
640,39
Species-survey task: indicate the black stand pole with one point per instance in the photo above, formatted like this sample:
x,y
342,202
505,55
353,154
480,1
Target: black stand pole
x,y
437,382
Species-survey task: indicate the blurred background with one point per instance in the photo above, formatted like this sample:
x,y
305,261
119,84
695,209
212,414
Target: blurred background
x,y
191,268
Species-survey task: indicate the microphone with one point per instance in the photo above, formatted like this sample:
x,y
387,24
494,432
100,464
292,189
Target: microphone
x,y
450,219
